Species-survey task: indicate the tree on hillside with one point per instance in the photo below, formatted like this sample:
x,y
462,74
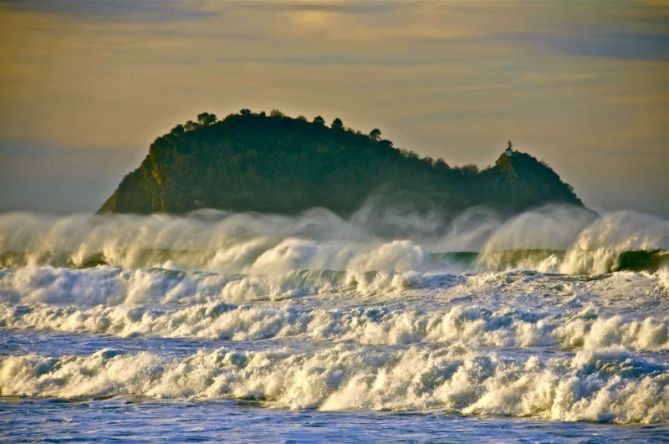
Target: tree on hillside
x,y
375,134
179,129
337,124
205,119
441,163
469,169
319,120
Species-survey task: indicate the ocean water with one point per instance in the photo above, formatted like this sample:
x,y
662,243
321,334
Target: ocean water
x,y
550,327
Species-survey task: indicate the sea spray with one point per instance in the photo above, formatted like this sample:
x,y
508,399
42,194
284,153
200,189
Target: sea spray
x,y
555,314
601,386
555,239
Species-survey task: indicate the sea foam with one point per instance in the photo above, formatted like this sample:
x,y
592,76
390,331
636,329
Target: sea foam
x,y
318,240
589,386
533,316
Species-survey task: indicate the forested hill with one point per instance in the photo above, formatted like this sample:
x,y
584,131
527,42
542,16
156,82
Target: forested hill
x,y
277,164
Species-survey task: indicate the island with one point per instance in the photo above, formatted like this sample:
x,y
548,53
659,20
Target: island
x,y
273,163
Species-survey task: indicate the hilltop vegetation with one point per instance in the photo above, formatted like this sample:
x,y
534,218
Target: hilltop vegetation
x,y
273,163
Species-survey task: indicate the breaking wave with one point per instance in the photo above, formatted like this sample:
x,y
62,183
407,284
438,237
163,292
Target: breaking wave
x,y
377,325
552,239
597,386
555,314
520,309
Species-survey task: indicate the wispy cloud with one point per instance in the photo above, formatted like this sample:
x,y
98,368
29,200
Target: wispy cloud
x,y
111,10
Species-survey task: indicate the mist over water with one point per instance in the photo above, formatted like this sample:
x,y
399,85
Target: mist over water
x,y
371,240
555,314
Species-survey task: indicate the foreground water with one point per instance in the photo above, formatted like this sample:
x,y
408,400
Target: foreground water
x,y
142,420
258,328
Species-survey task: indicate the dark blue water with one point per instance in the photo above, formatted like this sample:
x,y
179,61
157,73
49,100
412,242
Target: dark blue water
x,y
143,420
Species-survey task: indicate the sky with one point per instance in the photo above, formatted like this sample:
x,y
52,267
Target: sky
x,y
85,87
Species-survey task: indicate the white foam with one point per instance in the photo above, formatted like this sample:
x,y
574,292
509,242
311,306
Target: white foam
x,y
453,321
346,377
114,286
597,247
318,239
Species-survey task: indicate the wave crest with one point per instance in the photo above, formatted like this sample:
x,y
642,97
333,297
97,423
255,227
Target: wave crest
x,y
584,387
554,239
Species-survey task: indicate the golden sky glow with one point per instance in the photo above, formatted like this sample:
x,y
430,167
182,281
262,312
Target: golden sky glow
x,y
86,86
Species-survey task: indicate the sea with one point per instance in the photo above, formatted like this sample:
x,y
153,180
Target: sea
x,y
551,326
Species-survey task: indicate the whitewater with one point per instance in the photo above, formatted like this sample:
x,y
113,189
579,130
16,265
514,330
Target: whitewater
x,y
550,326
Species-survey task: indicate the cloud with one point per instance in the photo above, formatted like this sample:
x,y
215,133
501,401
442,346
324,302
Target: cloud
x,y
116,10
611,45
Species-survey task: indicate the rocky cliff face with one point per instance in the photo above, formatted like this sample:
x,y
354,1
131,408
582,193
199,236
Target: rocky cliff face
x,y
254,162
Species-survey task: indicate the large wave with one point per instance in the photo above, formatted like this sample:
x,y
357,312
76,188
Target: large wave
x,y
596,386
472,328
556,313
551,239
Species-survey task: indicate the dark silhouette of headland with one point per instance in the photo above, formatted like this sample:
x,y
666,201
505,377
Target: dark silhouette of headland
x,y
277,164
